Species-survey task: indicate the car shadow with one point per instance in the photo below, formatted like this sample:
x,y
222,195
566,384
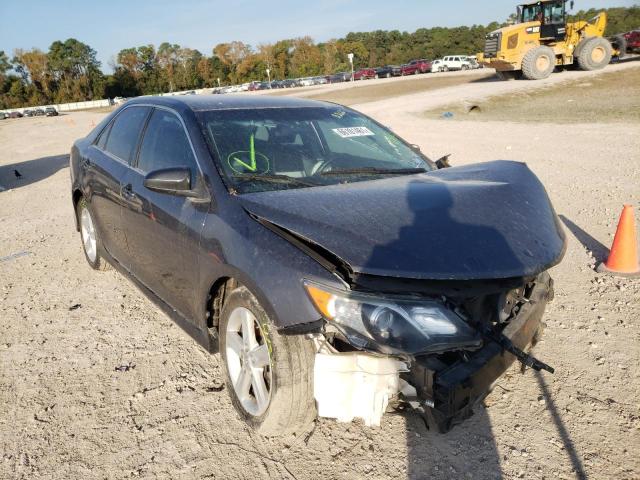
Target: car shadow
x,y
599,251
435,215
467,451
17,175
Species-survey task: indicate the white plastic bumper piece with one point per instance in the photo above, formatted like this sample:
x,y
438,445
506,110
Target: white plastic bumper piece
x,y
355,385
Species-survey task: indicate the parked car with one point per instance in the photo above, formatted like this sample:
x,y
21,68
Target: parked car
x,y
229,213
15,114
38,112
51,112
473,62
416,66
364,74
28,113
632,41
388,71
289,83
339,77
455,62
253,86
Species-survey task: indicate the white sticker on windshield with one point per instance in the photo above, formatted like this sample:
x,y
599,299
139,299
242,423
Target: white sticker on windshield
x,y
353,132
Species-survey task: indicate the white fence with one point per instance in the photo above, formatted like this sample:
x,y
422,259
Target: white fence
x,y
66,107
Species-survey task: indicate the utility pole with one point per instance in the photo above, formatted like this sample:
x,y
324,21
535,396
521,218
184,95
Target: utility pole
x,y
269,76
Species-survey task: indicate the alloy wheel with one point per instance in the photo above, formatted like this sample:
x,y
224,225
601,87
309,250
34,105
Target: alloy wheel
x,y
88,233
248,361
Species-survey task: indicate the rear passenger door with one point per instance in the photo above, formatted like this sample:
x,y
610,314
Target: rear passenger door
x,y
163,229
106,168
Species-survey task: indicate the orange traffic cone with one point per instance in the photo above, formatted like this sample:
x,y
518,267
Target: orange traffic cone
x,y
623,257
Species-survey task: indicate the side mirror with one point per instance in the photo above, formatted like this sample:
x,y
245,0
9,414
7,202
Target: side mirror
x,y
174,181
415,147
443,162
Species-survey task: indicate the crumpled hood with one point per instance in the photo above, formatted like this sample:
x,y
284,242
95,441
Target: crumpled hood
x,y
483,221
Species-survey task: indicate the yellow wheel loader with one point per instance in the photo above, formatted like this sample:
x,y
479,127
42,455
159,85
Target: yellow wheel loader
x,y
542,39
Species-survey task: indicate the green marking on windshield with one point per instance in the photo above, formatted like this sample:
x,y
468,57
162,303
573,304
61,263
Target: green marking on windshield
x,y
252,156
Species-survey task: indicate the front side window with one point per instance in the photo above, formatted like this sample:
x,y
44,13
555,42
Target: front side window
x,y
531,13
125,131
165,145
547,13
278,148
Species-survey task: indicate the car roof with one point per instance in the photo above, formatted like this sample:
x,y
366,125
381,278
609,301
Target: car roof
x,y
206,102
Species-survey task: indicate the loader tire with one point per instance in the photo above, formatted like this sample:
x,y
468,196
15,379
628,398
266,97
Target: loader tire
x,y
538,63
621,45
595,54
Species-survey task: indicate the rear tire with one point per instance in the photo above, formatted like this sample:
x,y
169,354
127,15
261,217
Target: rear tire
x,y
595,54
91,242
287,374
538,63
621,45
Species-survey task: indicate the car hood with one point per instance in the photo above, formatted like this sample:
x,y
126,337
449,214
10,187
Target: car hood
x,y
483,221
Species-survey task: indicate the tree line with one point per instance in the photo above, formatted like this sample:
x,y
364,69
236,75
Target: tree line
x,y
70,72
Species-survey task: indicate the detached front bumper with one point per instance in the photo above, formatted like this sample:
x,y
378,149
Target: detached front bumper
x,y
453,390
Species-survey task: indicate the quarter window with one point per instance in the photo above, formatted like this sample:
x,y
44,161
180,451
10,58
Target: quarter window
x,y
165,145
125,132
102,141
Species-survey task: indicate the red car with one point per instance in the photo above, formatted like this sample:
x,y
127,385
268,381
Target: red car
x,y
364,74
633,40
416,66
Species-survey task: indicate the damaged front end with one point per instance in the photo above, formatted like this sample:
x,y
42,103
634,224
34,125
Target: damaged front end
x,y
440,354
440,284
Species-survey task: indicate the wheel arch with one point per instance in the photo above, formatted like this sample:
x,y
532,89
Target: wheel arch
x,y
75,198
218,291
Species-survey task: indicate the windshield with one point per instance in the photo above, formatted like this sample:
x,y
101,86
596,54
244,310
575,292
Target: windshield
x,y
281,148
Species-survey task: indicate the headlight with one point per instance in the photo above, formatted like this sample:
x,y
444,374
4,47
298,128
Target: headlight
x,y
409,326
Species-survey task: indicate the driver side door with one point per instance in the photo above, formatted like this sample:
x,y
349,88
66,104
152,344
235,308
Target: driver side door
x,y
163,229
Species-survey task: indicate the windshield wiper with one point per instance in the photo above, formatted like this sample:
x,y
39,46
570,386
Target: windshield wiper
x,y
274,179
375,171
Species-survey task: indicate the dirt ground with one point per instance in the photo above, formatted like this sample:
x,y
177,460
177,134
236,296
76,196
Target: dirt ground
x,y
569,102
95,382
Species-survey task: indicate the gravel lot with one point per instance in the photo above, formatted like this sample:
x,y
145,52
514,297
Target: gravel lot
x,y
95,382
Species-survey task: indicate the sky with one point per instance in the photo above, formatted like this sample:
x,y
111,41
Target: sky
x,y
109,26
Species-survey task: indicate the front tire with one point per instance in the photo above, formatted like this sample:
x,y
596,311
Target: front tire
x,y
595,54
269,375
538,63
91,242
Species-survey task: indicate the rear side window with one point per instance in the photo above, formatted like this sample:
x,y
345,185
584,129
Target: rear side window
x,y
125,131
165,145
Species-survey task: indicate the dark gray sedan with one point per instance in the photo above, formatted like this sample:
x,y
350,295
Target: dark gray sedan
x,y
335,267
